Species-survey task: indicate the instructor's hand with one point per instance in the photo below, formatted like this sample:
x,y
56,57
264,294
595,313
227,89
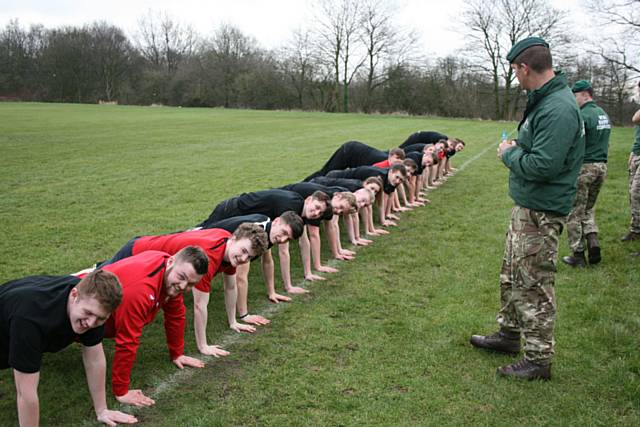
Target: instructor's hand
x,y
135,398
504,146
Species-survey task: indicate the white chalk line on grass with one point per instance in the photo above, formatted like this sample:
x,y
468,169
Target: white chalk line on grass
x,y
230,338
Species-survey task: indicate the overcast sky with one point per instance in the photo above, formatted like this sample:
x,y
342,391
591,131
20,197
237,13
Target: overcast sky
x,y
269,21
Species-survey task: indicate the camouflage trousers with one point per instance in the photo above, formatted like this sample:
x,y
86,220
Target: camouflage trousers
x,y
634,192
527,295
582,219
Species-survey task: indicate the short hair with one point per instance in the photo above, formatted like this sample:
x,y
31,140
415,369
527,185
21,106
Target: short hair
x,y
410,163
399,168
321,196
295,222
256,235
458,141
589,91
374,179
103,286
398,152
427,146
538,58
350,198
195,256
369,193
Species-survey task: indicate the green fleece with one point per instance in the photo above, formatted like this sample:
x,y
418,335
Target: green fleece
x,y
547,159
597,130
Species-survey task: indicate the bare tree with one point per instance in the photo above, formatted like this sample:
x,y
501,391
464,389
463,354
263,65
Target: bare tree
x,y
298,62
494,26
338,45
385,44
623,18
163,42
113,56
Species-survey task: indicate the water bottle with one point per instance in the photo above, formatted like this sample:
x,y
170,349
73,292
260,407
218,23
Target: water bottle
x,y
505,135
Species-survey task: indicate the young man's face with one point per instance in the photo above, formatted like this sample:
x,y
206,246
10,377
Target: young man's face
x,y
581,97
280,232
238,251
427,160
459,147
410,171
430,149
340,205
362,198
394,160
395,178
179,277
85,312
375,188
522,72
313,209
439,146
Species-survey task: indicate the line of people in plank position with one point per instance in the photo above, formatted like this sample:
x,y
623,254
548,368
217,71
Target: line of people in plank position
x,y
118,297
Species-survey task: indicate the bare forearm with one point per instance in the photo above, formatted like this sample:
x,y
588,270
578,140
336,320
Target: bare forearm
x,y
285,265
268,272
95,366
230,298
200,317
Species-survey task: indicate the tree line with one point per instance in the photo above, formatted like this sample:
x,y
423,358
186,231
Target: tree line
x,y
354,58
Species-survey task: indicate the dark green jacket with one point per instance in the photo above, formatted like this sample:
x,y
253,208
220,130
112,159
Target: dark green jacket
x,y
547,159
636,144
597,129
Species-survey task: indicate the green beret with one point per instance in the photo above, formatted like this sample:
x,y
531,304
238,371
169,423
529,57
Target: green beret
x,y
519,47
580,85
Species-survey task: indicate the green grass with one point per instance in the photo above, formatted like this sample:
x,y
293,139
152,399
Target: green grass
x,y
383,342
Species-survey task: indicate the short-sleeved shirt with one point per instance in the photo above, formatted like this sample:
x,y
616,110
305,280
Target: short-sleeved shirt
x,y
416,157
364,172
213,241
423,137
350,184
271,203
232,224
34,320
306,189
414,147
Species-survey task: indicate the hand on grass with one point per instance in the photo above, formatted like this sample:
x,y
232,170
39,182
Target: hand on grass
x,y
256,319
135,398
241,327
275,297
297,290
113,418
214,350
182,361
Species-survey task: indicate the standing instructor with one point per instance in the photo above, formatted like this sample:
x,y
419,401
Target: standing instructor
x,y
543,167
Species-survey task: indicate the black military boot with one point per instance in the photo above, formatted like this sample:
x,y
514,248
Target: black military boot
x,y
575,260
503,341
526,370
593,248
630,236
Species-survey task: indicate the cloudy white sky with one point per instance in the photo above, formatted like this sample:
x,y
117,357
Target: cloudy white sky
x,y
269,21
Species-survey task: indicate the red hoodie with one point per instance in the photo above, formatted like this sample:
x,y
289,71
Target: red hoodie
x,y
213,241
143,295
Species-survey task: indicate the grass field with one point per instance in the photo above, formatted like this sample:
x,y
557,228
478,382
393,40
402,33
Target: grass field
x,y
383,342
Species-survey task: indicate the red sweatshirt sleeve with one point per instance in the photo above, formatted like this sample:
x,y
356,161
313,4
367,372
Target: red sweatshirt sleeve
x,y
174,322
130,319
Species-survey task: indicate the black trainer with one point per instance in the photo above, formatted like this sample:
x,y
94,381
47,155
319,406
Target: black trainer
x,y
575,260
525,370
501,341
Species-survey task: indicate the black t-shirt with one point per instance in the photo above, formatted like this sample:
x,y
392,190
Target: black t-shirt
x,y
232,224
350,184
306,189
416,157
423,137
34,320
364,172
414,148
450,152
271,203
